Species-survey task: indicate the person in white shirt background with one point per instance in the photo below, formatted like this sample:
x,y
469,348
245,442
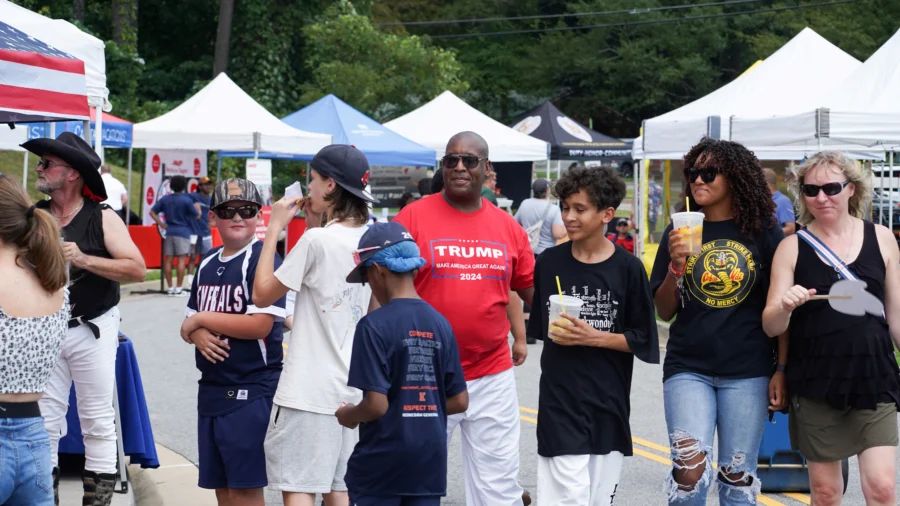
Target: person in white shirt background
x,y
117,195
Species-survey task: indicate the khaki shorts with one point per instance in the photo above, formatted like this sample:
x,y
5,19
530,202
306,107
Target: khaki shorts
x,y
823,433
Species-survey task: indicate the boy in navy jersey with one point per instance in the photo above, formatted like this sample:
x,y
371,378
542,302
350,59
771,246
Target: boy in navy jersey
x,y
238,351
406,361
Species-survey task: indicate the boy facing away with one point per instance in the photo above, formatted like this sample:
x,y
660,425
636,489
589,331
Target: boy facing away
x,y
238,351
586,365
406,361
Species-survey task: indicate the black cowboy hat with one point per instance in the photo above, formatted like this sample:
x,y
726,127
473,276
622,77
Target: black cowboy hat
x,y
79,155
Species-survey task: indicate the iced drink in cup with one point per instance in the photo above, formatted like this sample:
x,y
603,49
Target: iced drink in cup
x,y
690,226
569,305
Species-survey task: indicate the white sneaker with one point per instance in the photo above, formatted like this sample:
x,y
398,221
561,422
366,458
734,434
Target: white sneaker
x,y
190,279
180,293
171,291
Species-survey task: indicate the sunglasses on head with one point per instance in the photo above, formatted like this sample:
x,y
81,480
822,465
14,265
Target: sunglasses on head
x,y
227,213
830,189
706,174
469,161
356,259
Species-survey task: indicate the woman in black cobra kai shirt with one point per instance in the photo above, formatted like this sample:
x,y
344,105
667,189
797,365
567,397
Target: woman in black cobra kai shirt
x,y
718,361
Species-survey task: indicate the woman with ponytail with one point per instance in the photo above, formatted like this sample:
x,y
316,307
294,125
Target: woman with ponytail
x,y
34,314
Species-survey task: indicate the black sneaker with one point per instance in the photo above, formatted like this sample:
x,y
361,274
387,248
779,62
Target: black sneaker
x,y
98,488
530,340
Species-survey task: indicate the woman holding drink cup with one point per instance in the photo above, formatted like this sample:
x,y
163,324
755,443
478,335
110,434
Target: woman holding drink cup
x,y
711,275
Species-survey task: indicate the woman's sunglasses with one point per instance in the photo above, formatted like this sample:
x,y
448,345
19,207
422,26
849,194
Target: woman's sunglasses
x,y
469,161
227,213
707,174
830,189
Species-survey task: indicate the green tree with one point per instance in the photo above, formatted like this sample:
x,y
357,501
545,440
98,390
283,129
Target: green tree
x,y
383,75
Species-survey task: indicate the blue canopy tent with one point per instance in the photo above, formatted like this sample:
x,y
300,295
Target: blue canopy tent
x,y
346,125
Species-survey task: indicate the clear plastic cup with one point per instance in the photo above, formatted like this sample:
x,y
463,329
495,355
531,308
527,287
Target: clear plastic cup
x,y
569,305
690,226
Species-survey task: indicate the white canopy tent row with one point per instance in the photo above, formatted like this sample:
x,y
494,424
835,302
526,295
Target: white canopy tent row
x,y
434,123
222,116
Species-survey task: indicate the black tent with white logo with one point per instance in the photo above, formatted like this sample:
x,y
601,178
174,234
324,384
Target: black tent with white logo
x,y
568,139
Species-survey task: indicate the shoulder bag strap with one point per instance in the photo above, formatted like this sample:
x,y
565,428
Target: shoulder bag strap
x,y
825,252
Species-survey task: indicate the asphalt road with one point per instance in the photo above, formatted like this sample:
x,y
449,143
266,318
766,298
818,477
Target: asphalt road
x,y
170,384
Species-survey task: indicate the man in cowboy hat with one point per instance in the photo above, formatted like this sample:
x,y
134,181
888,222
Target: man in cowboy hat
x,y
100,255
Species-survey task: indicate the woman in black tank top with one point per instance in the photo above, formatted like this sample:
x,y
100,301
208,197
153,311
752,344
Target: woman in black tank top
x,y
843,378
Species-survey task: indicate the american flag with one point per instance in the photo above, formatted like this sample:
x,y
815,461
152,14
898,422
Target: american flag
x,y
38,81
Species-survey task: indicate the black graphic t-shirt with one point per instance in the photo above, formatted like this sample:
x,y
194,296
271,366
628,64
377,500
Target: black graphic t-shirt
x,y
718,327
584,404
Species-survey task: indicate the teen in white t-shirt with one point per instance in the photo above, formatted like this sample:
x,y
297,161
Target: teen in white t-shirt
x,y
306,448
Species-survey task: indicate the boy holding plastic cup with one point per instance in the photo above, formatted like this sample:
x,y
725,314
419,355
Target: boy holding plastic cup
x,y
597,317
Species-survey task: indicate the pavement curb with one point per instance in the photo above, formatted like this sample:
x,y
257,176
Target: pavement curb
x,y
128,289
173,483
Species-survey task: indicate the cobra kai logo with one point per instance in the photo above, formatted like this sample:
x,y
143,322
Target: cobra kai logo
x,y
723,274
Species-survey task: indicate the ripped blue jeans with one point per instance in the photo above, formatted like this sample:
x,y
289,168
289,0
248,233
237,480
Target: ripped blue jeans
x,y
697,405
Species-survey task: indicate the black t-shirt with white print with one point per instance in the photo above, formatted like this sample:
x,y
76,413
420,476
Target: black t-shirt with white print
x,y
718,328
584,403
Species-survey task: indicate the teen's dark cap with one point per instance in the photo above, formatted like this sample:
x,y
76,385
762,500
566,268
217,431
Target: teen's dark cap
x,y
348,167
378,237
621,221
204,180
540,186
235,189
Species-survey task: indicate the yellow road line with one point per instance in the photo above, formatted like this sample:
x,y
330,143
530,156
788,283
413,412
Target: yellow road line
x,y
762,499
799,497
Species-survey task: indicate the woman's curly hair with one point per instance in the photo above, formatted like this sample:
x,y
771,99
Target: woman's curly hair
x,y
752,204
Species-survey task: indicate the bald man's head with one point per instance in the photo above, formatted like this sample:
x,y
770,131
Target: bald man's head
x,y
771,179
475,144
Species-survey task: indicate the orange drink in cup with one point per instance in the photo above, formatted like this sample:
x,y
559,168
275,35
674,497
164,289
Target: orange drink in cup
x,y
564,304
690,226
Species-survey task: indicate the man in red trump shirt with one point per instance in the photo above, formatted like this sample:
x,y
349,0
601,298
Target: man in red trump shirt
x,y
476,253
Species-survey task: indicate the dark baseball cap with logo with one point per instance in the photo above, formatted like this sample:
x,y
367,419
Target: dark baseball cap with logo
x,y
378,237
235,189
204,180
348,167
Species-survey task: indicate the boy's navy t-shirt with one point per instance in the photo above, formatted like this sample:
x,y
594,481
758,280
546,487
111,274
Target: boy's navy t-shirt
x,y
179,212
405,350
201,226
225,285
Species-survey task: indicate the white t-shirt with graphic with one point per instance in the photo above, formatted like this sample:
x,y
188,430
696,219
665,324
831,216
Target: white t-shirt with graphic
x,y
326,311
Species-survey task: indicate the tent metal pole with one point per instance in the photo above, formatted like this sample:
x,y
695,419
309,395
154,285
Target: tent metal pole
x,y
219,168
98,133
25,172
890,192
128,205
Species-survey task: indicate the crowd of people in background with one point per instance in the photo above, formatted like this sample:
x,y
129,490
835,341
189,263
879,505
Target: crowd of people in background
x,y
392,353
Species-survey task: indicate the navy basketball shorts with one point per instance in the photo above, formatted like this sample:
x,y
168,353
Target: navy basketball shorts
x,y
231,447
415,500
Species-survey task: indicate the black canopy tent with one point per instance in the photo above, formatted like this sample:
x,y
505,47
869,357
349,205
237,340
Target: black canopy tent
x,y
569,140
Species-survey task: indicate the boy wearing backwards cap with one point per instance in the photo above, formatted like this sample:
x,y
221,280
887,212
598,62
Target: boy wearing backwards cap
x,y
238,351
406,361
306,449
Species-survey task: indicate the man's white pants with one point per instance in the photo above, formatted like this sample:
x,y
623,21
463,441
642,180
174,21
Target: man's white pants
x,y
91,363
490,441
579,480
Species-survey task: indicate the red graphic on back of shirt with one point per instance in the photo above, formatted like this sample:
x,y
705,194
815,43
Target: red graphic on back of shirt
x,y
473,259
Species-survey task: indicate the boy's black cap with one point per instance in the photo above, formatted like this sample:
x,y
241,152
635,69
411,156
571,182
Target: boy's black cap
x,y
378,237
235,189
348,167
621,221
540,185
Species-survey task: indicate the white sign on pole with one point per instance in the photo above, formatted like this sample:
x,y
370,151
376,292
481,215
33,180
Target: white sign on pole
x,y
162,164
259,172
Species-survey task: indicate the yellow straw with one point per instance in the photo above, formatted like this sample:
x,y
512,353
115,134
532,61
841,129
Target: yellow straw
x,y
687,204
559,287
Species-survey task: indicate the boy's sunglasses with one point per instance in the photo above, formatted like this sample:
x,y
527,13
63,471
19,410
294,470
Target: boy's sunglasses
x,y
830,189
469,161
356,259
707,174
227,213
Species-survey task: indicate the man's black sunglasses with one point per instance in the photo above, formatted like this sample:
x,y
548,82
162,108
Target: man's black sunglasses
x,y
830,189
227,213
707,174
469,161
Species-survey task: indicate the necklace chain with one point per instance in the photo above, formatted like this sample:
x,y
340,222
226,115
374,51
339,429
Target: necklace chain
x,y
60,218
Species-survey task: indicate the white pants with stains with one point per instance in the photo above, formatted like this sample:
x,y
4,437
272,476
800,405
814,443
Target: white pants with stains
x,y
579,480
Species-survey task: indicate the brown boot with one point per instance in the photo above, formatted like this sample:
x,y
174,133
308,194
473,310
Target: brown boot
x,y
56,486
98,488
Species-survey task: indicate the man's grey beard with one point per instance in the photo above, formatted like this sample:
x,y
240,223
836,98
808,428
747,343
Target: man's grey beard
x,y
48,187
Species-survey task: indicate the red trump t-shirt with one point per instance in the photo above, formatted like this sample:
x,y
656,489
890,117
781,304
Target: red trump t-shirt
x,y
472,262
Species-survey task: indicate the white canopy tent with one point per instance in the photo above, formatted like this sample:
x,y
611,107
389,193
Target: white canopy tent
x,y
433,124
784,83
222,116
864,109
